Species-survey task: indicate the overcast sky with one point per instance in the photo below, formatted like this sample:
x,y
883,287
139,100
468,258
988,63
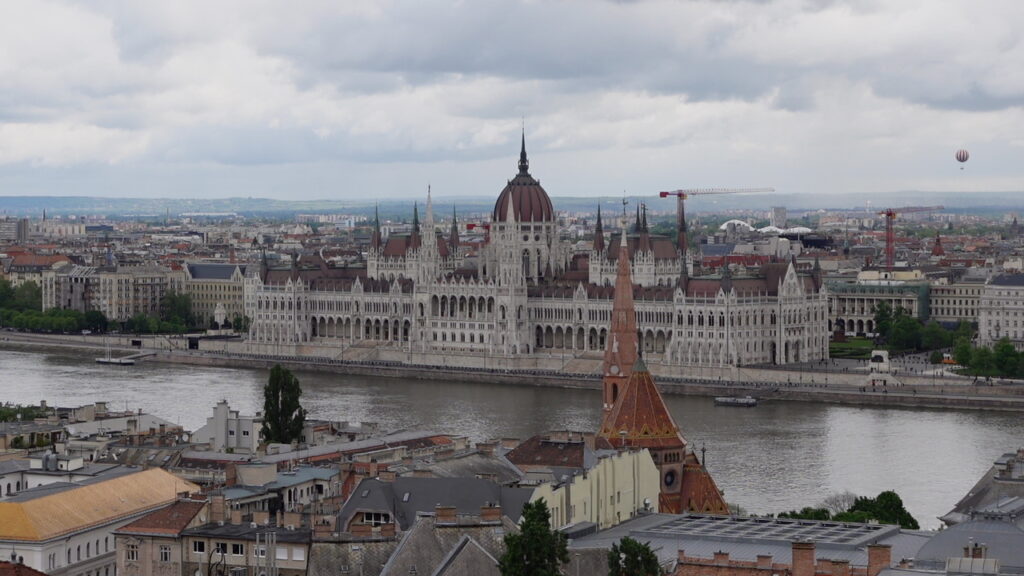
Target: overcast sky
x,y
351,99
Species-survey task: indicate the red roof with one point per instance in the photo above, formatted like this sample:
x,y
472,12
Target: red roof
x,y
171,520
9,569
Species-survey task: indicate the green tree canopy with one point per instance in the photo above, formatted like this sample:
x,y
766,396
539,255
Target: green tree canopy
x,y
883,318
536,549
632,558
962,351
176,308
283,416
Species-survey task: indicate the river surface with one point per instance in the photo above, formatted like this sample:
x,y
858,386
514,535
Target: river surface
x,y
775,457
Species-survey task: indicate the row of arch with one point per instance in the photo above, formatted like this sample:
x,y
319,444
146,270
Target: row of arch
x,y
858,326
379,329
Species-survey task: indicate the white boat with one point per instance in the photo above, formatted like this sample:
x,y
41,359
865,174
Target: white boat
x,y
108,359
742,401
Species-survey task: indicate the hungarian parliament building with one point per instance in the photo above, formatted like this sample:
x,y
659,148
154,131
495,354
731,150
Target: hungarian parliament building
x,y
525,300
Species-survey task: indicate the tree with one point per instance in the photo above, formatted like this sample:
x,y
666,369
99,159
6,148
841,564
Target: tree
x,y
838,502
283,416
886,508
632,558
536,549
936,357
176,308
883,318
808,513
934,336
962,351
981,360
28,296
1005,357
905,332
96,321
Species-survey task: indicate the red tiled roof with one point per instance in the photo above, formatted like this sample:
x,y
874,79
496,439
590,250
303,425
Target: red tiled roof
x,y
171,520
9,569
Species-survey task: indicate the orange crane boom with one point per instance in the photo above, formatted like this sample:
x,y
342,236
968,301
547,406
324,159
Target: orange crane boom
x,y
890,233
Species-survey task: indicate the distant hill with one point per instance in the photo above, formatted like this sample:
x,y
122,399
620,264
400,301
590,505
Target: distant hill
x,y
975,202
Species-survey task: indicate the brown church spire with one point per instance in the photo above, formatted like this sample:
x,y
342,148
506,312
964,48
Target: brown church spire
x,y
620,352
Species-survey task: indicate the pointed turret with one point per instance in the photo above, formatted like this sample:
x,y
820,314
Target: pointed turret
x,y
643,221
453,235
599,232
937,249
376,239
639,419
414,238
524,163
620,351
636,223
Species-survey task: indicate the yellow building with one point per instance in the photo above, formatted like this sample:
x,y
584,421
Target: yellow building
x,y
620,486
67,529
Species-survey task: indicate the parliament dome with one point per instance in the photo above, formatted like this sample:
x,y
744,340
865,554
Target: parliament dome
x,y
528,199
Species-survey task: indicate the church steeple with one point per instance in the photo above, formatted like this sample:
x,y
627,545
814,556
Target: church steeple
x,y
599,232
620,352
453,236
376,239
524,163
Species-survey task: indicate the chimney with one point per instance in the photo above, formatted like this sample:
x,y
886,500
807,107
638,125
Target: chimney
x,y
764,561
879,558
823,566
163,429
217,513
486,448
681,556
975,550
722,558
444,515
490,513
386,476
133,426
803,559
840,568
236,517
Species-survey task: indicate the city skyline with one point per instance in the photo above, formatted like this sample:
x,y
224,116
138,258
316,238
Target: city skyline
x,y
343,101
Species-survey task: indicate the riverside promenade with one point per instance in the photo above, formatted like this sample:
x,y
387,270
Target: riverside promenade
x,y
914,384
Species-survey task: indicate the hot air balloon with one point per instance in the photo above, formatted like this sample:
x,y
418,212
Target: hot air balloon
x,y
962,156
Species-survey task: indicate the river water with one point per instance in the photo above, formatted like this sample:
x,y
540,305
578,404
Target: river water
x,y
777,456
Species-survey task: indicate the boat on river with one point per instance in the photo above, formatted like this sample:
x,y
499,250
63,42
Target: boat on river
x,y
741,401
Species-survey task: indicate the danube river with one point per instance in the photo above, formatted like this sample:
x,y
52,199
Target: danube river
x,y
778,456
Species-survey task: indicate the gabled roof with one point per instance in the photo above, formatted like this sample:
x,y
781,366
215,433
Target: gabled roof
x,y
169,521
639,418
406,497
54,514
429,547
12,569
213,271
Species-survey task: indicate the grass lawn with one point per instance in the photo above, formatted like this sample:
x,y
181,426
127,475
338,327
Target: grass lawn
x,y
853,348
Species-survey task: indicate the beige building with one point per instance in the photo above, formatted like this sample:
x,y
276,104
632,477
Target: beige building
x,y
152,545
617,488
952,303
68,530
852,305
245,550
213,285
119,292
1001,311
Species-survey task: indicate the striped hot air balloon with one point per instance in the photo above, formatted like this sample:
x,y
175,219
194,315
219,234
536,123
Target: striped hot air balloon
x,y
962,156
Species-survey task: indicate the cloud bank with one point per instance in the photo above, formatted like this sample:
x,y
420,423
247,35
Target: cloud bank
x,y
324,99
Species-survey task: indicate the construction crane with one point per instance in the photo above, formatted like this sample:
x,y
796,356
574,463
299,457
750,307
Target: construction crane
x,y
682,195
890,234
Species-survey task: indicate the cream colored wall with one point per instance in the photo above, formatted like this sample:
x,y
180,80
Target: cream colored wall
x,y
611,492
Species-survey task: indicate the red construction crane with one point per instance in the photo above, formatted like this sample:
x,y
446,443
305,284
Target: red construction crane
x,y
890,234
682,195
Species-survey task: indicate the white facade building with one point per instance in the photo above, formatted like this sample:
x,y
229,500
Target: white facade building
x,y
525,297
1001,311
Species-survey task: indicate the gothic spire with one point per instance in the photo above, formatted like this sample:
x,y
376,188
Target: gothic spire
x,y
620,353
524,163
375,240
636,223
599,232
453,236
643,223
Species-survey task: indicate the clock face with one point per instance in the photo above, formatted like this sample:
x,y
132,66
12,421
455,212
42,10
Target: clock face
x,y
670,478
614,369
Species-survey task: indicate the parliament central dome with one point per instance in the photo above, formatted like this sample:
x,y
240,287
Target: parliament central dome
x,y
529,201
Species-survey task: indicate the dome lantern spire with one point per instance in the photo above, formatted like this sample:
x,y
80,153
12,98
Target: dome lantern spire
x,y
524,163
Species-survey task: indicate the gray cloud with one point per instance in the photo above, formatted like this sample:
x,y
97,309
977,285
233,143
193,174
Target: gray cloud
x,y
797,93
